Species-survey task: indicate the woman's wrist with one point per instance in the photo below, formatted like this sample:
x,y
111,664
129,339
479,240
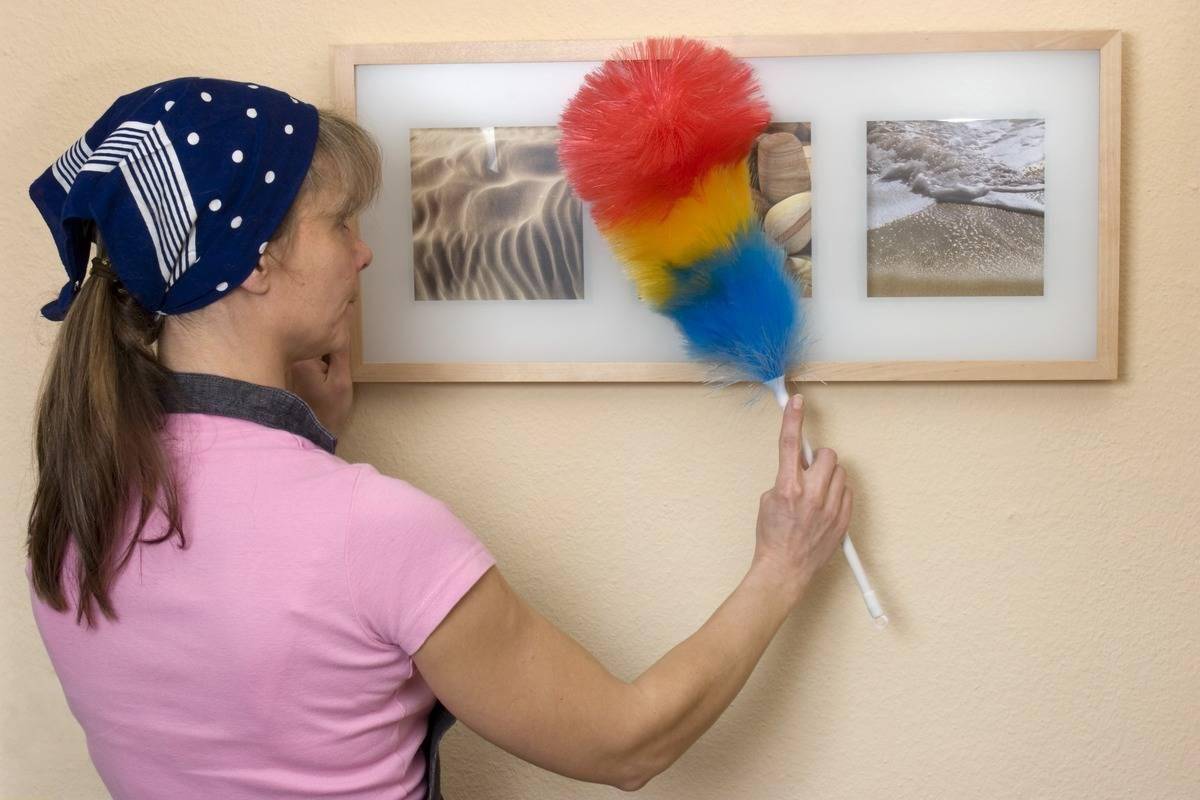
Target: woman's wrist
x,y
786,580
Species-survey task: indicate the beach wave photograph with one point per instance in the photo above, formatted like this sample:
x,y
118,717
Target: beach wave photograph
x,y
955,207
493,217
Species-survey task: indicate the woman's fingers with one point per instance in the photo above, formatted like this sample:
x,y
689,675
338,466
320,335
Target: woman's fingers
x,y
790,432
308,371
339,358
843,520
339,365
837,488
820,474
330,365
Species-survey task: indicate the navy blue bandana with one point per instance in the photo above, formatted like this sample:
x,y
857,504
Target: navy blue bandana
x,y
185,182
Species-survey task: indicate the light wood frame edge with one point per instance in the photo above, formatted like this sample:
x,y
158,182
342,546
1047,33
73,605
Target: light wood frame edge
x,y
1103,367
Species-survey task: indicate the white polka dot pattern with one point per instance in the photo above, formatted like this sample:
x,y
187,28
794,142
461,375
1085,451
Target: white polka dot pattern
x,y
190,172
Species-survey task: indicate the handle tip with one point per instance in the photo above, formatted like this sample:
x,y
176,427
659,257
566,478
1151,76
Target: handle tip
x,y
877,616
779,389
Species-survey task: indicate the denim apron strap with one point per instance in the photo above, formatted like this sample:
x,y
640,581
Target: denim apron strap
x,y
440,721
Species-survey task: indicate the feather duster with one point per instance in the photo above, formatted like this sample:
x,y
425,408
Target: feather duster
x,y
657,142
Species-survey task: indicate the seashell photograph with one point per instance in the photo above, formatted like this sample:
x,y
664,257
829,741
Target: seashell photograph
x,y
955,208
780,182
493,217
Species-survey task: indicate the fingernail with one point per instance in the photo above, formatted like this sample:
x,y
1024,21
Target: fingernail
x,y
797,401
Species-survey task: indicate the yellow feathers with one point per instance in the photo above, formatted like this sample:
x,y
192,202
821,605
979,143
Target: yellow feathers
x,y
667,237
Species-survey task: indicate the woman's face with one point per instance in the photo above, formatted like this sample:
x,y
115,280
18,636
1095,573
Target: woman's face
x,y
319,280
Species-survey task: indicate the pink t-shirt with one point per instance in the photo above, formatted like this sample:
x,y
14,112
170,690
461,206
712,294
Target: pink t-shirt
x,y
270,658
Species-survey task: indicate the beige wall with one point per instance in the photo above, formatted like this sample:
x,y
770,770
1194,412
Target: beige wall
x,y
1036,544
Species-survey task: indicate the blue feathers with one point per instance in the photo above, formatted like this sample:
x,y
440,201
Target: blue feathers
x,y
739,309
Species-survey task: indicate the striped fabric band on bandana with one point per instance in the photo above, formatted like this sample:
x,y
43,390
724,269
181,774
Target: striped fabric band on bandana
x,y
185,181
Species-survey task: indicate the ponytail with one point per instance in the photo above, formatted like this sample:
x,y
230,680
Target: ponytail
x,y
101,410
99,418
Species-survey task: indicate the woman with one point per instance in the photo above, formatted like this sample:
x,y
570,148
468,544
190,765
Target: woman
x,y
232,610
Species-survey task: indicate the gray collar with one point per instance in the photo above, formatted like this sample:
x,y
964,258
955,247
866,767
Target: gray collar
x,y
199,393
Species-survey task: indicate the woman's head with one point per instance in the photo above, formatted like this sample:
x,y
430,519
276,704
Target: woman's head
x,y
318,243
297,300
100,413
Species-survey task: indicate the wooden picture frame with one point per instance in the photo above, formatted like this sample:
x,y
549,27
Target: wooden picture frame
x,y
1103,366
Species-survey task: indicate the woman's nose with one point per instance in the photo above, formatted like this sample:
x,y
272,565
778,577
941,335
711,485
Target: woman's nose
x,y
366,257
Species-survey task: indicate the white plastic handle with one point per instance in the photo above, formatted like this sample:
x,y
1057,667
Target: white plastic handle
x,y
860,575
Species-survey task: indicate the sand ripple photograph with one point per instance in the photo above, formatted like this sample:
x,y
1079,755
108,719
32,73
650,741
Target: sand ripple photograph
x,y
955,207
493,217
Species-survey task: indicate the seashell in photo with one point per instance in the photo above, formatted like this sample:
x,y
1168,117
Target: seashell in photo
x,y
781,166
761,204
789,222
801,268
801,130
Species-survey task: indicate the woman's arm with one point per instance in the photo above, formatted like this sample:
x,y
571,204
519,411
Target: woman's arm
x,y
527,687
524,685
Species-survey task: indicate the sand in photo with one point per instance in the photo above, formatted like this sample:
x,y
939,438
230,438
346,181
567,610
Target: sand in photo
x,y
955,208
493,217
948,249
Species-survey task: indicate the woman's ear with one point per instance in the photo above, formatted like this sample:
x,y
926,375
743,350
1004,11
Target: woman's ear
x,y
259,279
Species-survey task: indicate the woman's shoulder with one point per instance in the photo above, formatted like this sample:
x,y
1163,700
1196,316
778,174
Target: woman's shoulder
x,y
409,559
378,497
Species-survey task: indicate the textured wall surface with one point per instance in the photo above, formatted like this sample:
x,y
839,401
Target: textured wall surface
x,y
1036,544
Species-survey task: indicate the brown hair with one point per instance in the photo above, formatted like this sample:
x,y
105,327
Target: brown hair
x,y
344,176
100,412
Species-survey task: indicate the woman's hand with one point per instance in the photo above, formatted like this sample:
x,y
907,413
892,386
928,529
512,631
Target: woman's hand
x,y
524,685
804,516
324,383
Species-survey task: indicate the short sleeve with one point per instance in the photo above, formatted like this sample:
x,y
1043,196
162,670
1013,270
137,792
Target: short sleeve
x,y
409,560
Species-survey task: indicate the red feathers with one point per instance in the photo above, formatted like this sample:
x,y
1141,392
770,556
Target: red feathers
x,y
653,119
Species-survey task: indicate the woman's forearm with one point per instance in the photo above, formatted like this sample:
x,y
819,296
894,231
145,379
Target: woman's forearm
x,y
685,692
